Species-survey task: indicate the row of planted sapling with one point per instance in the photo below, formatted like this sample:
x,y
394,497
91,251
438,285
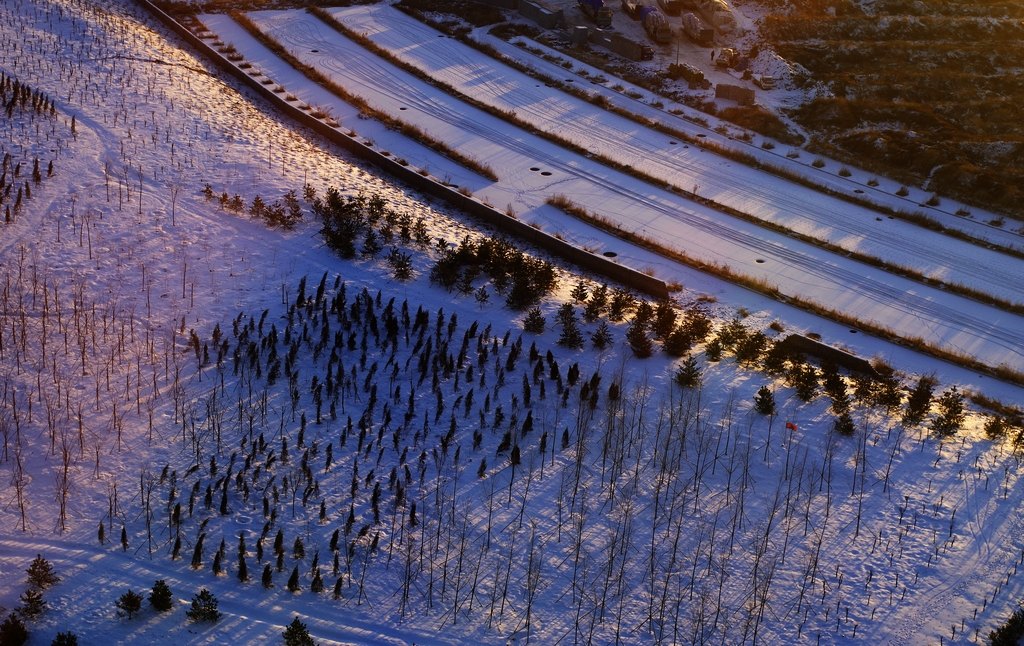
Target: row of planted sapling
x,y
404,457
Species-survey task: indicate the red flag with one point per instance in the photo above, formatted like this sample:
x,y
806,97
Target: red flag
x,y
791,426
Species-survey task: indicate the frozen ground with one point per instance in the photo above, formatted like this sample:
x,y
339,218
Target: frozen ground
x,y
666,517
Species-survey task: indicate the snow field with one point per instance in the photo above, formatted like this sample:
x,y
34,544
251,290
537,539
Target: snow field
x,y
667,517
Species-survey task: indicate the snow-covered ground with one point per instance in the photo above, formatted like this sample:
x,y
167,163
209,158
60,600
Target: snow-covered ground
x,y
795,268
667,515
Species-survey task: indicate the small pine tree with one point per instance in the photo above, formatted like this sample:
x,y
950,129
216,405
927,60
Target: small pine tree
x,y
638,340
534,323
101,534
688,374
204,607
66,638
579,293
32,604
197,553
713,350
268,576
13,631
160,596
1011,632
602,336
995,427
804,378
129,603
298,548
951,412
844,424
919,401
764,401
296,634
243,569
293,580
317,585
40,574
664,319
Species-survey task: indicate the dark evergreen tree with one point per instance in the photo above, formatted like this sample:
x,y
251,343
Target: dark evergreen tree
x,y
297,634
804,378
844,424
602,336
1011,632
13,631
638,340
764,401
32,604
41,574
713,350
197,553
664,319
160,596
204,607
243,569
129,603
597,304
268,576
688,374
951,412
66,638
293,580
919,401
317,584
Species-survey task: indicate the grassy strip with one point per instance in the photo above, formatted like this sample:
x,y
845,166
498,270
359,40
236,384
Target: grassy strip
x,y
316,76
899,270
763,287
914,217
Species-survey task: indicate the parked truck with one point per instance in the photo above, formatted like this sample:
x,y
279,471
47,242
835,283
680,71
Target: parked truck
x,y
697,30
671,7
719,15
656,25
597,11
632,8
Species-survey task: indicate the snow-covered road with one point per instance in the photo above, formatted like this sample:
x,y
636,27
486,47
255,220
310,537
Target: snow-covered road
x,y
797,269
765,196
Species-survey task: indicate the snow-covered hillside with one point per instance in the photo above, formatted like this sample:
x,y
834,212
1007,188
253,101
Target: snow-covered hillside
x,y
225,397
